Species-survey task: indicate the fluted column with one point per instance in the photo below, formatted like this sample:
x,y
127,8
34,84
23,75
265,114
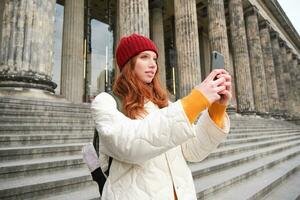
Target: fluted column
x,y
256,61
217,32
278,69
72,77
266,46
157,35
133,17
245,101
285,73
27,45
187,45
289,79
297,72
1,20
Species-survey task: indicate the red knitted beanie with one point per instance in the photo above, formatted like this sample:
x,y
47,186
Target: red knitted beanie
x,y
131,46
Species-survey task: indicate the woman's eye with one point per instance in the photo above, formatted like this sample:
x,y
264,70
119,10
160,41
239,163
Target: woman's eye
x,y
155,59
144,56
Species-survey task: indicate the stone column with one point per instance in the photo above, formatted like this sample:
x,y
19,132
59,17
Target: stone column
x,y
285,73
217,32
187,45
266,46
297,72
278,69
256,61
27,44
157,35
72,75
290,80
87,56
245,101
1,19
133,17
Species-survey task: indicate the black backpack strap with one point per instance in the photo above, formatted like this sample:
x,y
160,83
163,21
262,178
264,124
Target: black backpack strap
x,y
109,164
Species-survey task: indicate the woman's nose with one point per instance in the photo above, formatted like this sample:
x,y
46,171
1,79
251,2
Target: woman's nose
x,y
153,63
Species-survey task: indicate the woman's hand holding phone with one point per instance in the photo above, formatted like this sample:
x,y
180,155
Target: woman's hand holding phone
x,y
212,89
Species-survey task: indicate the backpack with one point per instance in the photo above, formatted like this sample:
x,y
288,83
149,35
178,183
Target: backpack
x,y
98,175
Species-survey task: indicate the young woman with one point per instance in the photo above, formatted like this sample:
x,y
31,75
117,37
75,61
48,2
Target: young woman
x,y
151,139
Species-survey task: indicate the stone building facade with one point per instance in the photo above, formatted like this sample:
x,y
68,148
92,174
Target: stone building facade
x,y
260,46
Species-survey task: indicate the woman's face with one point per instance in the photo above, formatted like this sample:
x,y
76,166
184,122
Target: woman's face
x,y
146,66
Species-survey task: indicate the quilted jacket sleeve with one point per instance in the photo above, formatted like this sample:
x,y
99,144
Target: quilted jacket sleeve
x,y
135,141
208,137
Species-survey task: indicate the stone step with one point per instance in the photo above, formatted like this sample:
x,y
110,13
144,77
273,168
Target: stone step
x,y
257,138
45,108
42,120
258,185
234,149
7,129
48,132
257,134
22,113
41,151
43,139
262,126
13,102
260,122
29,167
264,122
90,193
45,185
209,166
46,127
288,189
253,130
209,184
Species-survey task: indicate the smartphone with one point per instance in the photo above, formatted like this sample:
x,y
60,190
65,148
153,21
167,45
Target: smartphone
x,y
217,60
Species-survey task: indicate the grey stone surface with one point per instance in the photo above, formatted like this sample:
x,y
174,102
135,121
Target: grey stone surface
x,y
217,32
72,67
288,189
44,149
27,44
157,35
285,74
133,17
187,46
48,155
266,46
256,61
278,64
253,167
245,99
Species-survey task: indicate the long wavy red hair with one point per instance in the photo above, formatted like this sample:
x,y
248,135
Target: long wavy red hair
x,y
134,92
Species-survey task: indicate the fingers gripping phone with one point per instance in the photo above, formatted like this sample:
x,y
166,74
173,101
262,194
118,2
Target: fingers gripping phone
x,y
217,61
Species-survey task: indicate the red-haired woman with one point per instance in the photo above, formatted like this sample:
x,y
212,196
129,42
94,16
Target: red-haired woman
x,y
151,139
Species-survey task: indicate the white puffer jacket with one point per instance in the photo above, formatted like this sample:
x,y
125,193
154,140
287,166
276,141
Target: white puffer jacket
x,y
150,154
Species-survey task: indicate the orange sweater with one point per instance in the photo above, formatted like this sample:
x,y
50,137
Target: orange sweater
x,y
196,102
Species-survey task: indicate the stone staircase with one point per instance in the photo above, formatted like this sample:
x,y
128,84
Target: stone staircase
x,y
260,159
40,150
41,141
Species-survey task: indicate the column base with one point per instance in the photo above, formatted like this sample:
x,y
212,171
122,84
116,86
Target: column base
x,y
21,81
30,93
247,112
264,114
